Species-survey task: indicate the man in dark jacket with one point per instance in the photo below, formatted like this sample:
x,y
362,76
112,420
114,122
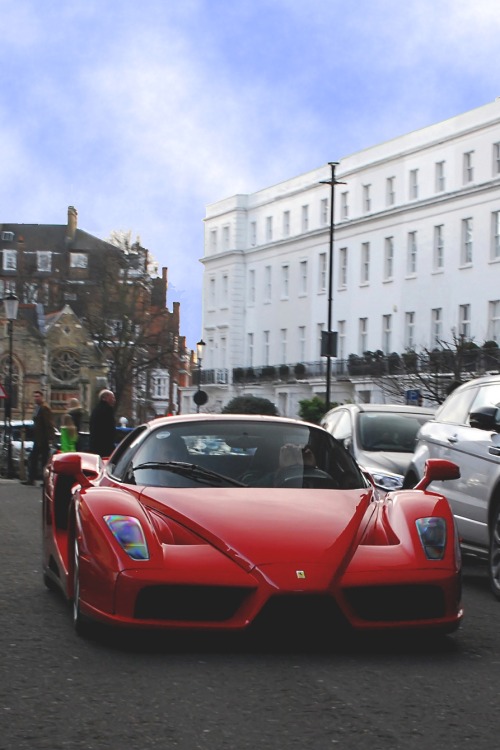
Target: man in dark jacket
x,y
102,425
43,436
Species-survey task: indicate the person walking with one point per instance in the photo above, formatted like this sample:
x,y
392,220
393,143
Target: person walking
x,y
77,413
102,425
69,434
43,436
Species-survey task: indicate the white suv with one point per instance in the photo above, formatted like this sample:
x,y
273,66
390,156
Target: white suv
x,y
466,430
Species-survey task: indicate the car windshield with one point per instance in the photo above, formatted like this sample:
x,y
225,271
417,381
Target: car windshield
x,y
240,453
395,433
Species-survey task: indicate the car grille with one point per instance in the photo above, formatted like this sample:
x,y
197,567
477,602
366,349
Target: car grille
x,y
195,603
396,603
301,613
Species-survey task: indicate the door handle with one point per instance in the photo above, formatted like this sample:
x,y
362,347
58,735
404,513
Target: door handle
x,y
453,439
494,451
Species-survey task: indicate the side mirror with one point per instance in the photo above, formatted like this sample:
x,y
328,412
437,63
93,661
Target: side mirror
x,y
486,418
70,464
438,470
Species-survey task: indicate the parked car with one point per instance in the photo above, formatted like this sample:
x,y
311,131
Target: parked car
x,y
22,443
466,430
381,437
282,529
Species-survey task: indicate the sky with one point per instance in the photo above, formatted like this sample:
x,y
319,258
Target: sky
x,y
140,113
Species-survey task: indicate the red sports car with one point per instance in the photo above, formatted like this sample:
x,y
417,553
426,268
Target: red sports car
x,y
223,522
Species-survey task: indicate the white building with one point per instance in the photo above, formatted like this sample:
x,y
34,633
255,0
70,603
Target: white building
x,y
416,257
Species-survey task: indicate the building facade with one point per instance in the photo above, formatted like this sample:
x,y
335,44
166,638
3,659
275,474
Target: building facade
x,y
92,314
415,261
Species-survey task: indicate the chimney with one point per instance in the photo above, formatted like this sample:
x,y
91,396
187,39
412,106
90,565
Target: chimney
x,y
72,223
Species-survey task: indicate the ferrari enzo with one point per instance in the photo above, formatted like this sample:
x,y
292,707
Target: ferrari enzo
x,y
227,522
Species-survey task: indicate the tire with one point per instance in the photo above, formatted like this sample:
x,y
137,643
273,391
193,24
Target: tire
x,y
494,553
49,583
81,624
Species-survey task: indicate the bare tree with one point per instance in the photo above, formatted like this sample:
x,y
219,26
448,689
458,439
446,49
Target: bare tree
x,y
436,372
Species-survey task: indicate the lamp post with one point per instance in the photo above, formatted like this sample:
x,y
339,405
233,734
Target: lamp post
x,y
199,355
329,342
11,304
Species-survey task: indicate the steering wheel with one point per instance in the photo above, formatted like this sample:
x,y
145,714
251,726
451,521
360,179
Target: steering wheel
x,y
303,476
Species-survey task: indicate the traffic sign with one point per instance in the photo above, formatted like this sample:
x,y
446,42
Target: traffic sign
x,y
2,392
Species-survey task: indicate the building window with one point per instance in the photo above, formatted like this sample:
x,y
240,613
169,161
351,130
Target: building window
x,y
343,267
269,229
438,249
464,321
341,346
251,287
302,343
367,201
250,349
363,335
305,218
159,386
253,233
8,236
436,325
285,278
466,241
344,205
267,284
286,223
225,290
439,178
411,258
43,260
495,235
386,333
65,366
211,291
322,273
320,327
388,258
283,343
413,184
496,158
78,260
365,262
494,321
213,241
323,212
9,258
410,330
267,346
303,277
30,293
225,238
390,191
468,168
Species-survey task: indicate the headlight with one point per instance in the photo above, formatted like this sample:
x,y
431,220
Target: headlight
x,y
432,533
128,532
386,482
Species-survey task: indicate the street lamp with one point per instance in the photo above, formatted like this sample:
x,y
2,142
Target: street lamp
x,y
329,338
11,304
199,354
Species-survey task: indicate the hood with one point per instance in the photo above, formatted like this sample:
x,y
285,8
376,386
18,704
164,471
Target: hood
x,y
257,526
396,463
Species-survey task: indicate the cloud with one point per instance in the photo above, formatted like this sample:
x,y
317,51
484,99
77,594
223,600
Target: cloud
x,y
140,114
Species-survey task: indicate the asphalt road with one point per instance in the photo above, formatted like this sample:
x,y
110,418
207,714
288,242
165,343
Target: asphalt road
x,y
60,692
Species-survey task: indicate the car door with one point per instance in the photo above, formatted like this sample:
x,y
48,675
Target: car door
x,y
480,469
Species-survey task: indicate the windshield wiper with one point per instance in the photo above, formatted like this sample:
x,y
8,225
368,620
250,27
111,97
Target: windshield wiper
x,y
191,470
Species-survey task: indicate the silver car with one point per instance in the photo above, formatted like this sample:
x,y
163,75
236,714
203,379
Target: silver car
x,y
381,437
22,443
466,430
